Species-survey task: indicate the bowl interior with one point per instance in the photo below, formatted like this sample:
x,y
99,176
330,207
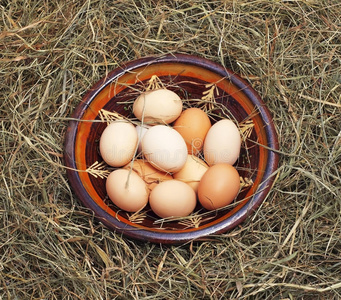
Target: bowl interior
x,y
191,81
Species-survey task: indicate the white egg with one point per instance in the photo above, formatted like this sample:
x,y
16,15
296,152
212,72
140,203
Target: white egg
x,y
164,148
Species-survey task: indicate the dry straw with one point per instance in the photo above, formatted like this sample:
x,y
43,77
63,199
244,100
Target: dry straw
x,y
51,247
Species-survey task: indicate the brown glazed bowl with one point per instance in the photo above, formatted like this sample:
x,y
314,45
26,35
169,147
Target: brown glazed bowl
x,y
190,77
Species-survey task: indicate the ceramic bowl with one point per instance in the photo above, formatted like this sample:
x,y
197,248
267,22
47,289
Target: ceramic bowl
x,y
191,77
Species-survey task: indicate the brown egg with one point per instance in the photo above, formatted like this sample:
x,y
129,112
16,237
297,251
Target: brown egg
x,y
127,190
193,125
172,198
219,186
151,176
192,171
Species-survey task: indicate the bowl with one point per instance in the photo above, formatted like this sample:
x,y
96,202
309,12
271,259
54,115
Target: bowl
x,y
201,83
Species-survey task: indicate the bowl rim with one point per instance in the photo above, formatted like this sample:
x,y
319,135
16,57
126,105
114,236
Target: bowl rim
x,y
168,237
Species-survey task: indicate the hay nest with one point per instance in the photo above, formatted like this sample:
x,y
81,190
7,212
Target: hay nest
x,y
51,247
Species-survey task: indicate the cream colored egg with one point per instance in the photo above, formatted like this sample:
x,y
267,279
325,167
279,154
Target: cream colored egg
x,y
127,190
118,143
164,148
222,143
172,198
160,106
192,172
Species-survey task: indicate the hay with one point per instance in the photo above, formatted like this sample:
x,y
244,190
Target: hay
x,y
51,247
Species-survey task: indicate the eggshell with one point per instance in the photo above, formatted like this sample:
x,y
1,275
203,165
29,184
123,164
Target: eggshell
x,y
159,106
127,190
193,125
164,148
222,143
219,186
151,176
172,198
141,130
118,143
192,172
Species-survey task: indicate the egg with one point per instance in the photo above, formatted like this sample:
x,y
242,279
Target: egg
x,y
219,186
127,190
164,148
222,143
160,106
172,198
192,172
118,143
141,130
151,176
193,125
